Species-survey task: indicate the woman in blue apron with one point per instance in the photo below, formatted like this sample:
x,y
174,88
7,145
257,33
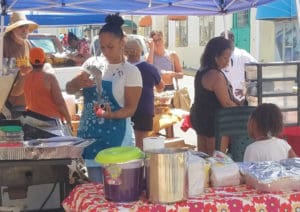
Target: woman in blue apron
x,y
109,81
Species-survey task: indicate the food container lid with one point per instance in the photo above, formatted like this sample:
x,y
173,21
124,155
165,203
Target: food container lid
x,y
121,154
11,128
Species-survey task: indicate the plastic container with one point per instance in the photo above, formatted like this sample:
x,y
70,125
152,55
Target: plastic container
x,y
123,173
11,136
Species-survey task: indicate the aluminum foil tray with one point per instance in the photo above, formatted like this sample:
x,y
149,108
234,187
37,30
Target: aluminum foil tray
x,y
43,152
272,176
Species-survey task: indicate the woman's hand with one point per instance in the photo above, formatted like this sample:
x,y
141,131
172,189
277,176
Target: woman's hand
x,y
80,81
103,111
239,92
150,43
84,81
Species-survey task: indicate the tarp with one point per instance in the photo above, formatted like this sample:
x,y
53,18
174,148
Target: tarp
x,y
279,9
63,20
133,7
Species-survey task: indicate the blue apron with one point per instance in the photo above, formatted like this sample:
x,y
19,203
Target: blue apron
x,y
106,132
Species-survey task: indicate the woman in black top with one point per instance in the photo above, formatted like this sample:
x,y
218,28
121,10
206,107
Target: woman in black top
x,y
212,92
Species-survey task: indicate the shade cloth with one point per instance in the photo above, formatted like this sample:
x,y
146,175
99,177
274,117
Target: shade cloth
x,y
63,19
278,9
133,7
90,197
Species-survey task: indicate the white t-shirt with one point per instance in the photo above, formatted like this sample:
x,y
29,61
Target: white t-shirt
x,y
272,149
235,72
121,75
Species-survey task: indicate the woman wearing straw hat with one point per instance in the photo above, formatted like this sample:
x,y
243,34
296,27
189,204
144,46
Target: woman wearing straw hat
x,y
16,45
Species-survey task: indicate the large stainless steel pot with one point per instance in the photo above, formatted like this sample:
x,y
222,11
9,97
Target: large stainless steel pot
x,y
166,175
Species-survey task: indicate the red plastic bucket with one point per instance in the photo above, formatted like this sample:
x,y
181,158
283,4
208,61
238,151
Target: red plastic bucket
x,y
292,136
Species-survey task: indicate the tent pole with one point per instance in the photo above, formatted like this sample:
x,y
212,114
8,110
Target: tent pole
x,y
131,17
258,40
298,10
225,26
3,12
1,43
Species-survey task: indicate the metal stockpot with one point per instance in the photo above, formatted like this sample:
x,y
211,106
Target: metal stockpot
x,y
166,175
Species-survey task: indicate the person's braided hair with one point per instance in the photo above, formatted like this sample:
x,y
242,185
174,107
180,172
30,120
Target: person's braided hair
x,y
268,119
113,25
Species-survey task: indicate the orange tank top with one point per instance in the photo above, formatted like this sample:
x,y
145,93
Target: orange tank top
x,y
38,97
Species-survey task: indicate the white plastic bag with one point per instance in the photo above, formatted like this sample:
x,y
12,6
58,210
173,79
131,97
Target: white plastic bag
x,y
198,172
224,171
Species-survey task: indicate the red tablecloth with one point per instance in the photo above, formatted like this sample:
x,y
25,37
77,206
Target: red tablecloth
x,y
90,198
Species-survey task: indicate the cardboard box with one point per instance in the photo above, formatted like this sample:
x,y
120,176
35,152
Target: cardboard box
x,y
177,143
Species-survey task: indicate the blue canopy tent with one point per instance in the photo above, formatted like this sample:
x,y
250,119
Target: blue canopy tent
x,y
279,9
130,7
134,7
127,7
63,19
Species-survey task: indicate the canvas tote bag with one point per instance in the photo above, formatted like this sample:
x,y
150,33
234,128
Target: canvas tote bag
x,y
181,98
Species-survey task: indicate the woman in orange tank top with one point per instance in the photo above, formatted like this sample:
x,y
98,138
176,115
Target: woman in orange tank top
x,y
41,90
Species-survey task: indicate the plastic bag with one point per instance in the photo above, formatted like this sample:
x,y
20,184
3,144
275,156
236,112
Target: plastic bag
x,y
224,171
198,174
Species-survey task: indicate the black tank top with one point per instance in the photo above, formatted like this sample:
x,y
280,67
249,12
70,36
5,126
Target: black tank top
x,y
205,105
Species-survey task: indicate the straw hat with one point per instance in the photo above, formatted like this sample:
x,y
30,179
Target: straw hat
x,y
19,19
37,56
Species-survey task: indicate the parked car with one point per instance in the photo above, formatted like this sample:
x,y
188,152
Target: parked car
x,y
49,43
56,54
95,48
